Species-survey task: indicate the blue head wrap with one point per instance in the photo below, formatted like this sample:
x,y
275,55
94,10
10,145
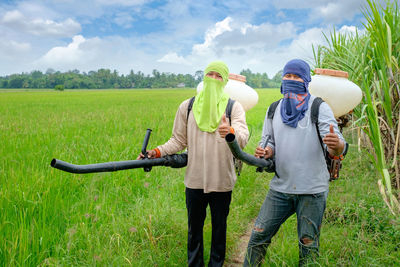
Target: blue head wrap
x,y
295,94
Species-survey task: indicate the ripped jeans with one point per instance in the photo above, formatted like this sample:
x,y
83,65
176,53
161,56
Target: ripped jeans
x,y
277,207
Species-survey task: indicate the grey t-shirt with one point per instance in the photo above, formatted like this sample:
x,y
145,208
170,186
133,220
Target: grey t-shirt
x,y
300,161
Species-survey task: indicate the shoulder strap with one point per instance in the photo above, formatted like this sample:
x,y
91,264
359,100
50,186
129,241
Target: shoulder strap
x,y
189,107
315,109
272,108
314,117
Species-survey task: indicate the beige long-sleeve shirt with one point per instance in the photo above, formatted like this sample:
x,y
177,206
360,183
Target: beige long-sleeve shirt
x,y
210,162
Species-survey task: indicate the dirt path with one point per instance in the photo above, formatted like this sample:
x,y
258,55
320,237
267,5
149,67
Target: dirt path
x,y
237,258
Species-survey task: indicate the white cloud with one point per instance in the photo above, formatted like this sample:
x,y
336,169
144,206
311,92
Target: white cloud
x,y
122,2
281,15
13,16
230,38
15,56
88,54
257,47
219,28
330,11
174,59
124,20
264,36
10,48
352,30
301,46
40,27
294,4
70,54
337,12
37,9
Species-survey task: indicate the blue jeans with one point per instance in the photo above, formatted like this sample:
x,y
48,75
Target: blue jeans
x,y
276,208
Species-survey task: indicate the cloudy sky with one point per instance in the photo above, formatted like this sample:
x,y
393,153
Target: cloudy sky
x,y
178,36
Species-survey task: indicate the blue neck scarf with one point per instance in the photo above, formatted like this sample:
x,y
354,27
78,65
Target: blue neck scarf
x,y
295,94
295,102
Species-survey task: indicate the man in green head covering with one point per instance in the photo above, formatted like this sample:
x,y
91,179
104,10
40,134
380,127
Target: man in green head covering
x,y
210,103
210,174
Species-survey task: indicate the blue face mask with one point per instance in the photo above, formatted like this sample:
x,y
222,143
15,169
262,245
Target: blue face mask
x,y
293,87
295,102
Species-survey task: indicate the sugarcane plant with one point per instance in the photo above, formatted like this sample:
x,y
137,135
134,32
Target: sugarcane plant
x,y
371,59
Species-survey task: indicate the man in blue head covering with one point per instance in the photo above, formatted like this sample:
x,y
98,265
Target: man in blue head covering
x,y
301,180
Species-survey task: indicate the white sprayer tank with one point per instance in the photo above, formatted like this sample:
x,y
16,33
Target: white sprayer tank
x,y
239,91
335,89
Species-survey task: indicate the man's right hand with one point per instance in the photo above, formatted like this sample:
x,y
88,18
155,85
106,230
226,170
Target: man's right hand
x,y
264,153
151,154
260,152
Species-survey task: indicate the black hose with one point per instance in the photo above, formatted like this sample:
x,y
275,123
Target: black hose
x,y
173,161
267,164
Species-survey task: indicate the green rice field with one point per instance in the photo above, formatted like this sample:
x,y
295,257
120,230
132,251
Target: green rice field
x,y
136,218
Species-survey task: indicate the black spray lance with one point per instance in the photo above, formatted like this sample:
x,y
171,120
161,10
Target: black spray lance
x,y
144,148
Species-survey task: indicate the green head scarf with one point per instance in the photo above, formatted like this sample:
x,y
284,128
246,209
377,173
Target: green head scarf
x,y
210,103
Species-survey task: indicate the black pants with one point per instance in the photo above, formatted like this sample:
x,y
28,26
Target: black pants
x,y
196,204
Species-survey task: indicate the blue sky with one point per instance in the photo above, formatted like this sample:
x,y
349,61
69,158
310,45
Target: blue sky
x,y
170,36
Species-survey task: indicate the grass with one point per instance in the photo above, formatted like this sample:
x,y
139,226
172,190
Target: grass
x,y
49,217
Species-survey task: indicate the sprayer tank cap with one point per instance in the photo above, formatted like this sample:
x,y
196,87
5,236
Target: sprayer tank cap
x,y
237,77
330,72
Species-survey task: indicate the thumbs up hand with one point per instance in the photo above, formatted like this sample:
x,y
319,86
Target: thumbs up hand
x,y
334,144
224,126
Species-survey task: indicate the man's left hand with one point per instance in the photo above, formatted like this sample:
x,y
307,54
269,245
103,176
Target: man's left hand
x,y
224,127
333,142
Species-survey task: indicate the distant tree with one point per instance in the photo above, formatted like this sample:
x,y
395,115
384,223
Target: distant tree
x,y
36,74
15,81
198,75
257,80
50,71
278,77
59,87
72,82
105,78
3,83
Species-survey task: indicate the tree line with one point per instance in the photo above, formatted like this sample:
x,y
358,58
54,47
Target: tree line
x,y
105,78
